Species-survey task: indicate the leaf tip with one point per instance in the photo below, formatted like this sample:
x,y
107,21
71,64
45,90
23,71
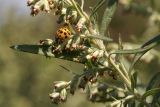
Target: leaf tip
x,y
15,47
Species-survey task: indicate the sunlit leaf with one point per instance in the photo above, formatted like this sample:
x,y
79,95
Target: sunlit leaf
x,y
34,49
46,51
139,51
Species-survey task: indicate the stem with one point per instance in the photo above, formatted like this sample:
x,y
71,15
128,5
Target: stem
x,y
125,79
139,98
82,4
122,100
124,70
81,13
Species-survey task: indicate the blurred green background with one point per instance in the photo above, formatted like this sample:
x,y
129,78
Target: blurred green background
x,y
26,79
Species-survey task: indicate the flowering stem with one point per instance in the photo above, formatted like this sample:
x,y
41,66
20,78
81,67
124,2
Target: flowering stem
x,y
125,79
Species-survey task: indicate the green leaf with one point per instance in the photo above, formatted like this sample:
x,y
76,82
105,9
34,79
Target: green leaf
x,y
153,81
143,49
151,92
107,16
139,51
141,105
133,81
156,99
34,49
46,50
74,84
96,7
100,37
149,44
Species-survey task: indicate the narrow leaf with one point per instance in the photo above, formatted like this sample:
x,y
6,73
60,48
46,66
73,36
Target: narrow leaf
x,y
107,16
96,7
156,99
74,84
142,50
100,37
151,92
133,81
47,51
155,41
34,49
153,81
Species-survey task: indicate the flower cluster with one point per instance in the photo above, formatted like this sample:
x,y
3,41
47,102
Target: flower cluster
x,y
65,10
74,36
41,5
62,8
87,81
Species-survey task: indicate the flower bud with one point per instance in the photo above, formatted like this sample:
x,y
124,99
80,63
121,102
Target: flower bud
x,y
88,57
60,5
59,85
63,11
93,95
52,3
30,2
80,24
71,15
63,95
40,5
46,7
35,10
94,55
100,54
55,97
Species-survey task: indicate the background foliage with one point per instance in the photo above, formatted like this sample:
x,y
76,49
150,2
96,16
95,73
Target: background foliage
x,y
25,79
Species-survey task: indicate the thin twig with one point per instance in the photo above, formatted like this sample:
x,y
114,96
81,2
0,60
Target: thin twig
x,y
122,100
82,4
